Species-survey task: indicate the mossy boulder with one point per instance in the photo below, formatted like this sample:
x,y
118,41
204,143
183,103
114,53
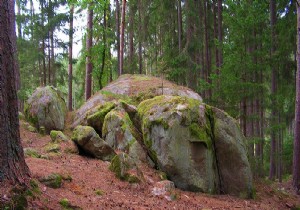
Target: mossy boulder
x,y
199,147
90,142
118,130
141,87
176,131
125,168
52,147
96,119
46,108
231,153
58,136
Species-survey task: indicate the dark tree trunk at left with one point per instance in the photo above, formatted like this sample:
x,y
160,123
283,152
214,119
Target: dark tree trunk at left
x,y
13,168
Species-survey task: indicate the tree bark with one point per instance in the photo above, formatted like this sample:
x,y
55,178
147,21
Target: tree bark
x,y
220,34
118,32
13,169
104,48
89,65
207,48
131,34
179,26
122,37
296,154
272,172
70,95
140,37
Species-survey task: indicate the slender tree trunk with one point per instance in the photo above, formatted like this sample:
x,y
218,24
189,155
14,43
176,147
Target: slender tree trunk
x,y
13,169
296,154
220,34
19,22
207,48
70,96
49,60
131,34
140,37
104,48
118,31
89,65
43,46
53,69
272,172
179,25
122,37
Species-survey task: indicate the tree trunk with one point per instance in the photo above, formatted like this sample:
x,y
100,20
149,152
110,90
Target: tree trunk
x,y
140,37
19,24
131,34
15,52
272,172
49,59
89,65
296,155
70,96
13,169
118,31
122,37
179,26
104,48
220,34
207,48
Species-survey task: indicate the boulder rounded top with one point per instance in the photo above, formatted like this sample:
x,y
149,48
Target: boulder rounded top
x,y
142,87
46,108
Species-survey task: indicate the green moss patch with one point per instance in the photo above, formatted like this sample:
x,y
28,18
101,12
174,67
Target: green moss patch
x,y
200,135
121,168
30,152
96,120
53,180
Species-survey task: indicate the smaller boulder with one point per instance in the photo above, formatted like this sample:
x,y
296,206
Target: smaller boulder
x,y
125,168
46,107
90,142
58,136
31,129
50,147
118,130
163,187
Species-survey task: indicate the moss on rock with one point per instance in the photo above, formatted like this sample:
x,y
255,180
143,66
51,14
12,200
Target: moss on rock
x,y
58,136
52,147
96,120
120,165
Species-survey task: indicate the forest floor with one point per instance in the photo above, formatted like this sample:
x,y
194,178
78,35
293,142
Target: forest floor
x,y
94,186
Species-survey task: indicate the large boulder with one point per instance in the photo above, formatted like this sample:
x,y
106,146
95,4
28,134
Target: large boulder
x,y
199,147
133,88
141,87
90,142
231,153
46,108
176,133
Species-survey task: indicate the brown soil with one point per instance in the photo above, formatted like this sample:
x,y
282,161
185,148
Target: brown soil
x,y
94,186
